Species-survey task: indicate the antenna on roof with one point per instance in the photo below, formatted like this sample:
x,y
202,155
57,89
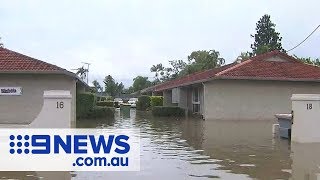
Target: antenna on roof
x,y
87,70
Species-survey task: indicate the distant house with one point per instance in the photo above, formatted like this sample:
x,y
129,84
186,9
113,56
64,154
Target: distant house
x,y
23,80
255,89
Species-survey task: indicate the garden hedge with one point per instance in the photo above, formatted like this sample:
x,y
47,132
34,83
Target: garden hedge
x,y
87,107
105,103
156,101
101,112
84,104
143,103
168,111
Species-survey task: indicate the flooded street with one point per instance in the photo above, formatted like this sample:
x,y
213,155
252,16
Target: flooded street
x,y
197,149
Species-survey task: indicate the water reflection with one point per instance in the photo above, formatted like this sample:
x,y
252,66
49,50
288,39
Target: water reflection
x,y
196,149
174,148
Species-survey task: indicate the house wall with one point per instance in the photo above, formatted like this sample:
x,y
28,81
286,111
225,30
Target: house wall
x,y
251,100
167,98
25,108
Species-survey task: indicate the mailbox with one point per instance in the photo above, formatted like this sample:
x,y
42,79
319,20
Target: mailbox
x,y
306,120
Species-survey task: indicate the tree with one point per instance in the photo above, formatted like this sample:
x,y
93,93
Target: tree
x,y
266,38
203,60
197,61
243,56
177,66
1,44
111,87
120,88
140,83
309,60
97,87
158,69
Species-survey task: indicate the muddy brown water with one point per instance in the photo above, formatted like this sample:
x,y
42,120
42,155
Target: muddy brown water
x,y
190,148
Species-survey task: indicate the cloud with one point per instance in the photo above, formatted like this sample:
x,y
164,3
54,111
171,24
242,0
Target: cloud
x,y
125,38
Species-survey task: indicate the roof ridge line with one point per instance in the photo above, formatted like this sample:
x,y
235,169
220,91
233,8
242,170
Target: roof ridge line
x,y
233,67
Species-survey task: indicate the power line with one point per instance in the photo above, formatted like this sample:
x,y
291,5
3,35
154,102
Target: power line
x,y
304,39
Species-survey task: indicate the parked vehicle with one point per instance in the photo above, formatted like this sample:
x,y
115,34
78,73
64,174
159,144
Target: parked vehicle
x,y
133,102
119,100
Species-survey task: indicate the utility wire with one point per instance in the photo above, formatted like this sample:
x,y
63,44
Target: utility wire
x,y
304,39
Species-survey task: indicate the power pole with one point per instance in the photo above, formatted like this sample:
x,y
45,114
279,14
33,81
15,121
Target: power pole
x,y
88,65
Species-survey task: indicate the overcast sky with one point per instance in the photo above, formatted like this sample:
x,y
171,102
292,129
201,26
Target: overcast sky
x,y
125,38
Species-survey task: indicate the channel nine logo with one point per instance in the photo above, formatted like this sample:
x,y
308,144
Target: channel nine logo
x,y
70,150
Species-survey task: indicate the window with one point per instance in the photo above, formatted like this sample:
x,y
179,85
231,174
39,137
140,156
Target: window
x,y
175,95
196,100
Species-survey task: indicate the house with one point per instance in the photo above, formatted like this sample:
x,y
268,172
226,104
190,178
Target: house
x,y
23,81
255,89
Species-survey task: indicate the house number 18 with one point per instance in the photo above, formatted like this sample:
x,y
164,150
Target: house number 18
x,y
60,105
309,106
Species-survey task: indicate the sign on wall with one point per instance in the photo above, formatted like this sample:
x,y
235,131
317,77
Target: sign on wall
x,y
10,91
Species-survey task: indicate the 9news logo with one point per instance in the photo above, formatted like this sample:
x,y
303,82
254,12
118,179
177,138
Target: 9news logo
x,y
21,146
69,150
40,144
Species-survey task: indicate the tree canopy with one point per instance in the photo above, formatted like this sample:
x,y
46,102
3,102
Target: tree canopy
x,y
266,37
97,87
140,83
1,44
309,60
112,88
196,61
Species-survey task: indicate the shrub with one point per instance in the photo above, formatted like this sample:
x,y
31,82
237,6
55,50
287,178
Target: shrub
x,y
105,103
156,101
103,98
168,111
143,103
101,112
84,104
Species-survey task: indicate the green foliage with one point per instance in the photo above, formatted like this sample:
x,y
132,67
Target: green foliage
x,y
156,101
168,111
1,44
85,103
266,38
309,60
101,112
243,56
143,103
96,86
139,83
112,87
197,61
105,103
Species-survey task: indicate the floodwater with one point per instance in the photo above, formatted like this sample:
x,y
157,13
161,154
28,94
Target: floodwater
x,y
174,148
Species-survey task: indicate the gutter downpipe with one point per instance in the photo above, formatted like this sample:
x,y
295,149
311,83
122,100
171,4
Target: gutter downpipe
x,y
203,117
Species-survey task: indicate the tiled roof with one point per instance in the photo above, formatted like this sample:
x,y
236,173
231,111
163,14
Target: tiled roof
x,y
258,68
11,61
191,79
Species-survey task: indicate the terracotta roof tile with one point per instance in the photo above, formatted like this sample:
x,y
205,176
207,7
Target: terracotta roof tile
x,y
255,68
11,61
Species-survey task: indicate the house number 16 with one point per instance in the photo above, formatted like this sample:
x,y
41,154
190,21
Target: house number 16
x,y
60,105
309,106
